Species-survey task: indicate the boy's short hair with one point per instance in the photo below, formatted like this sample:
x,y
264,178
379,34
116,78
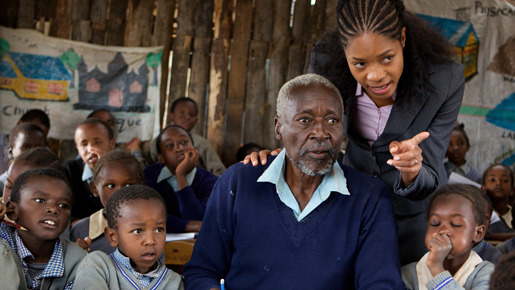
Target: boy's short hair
x,y
158,140
23,128
183,99
510,172
97,111
40,158
21,182
118,156
36,115
503,277
470,192
100,122
127,194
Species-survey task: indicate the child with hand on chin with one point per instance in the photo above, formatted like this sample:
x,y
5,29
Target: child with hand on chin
x,y
184,186
455,224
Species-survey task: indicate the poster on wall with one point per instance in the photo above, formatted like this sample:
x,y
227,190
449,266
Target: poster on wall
x,y
69,80
483,38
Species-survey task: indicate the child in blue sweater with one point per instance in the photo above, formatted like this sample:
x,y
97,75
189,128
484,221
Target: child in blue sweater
x,y
455,224
35,257
459,145
136,217
113,171
184,186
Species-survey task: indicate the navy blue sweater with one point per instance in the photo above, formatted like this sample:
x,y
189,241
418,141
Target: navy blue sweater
x,y
253,241
186,204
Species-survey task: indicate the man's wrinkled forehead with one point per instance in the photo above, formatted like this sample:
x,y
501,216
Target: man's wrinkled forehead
x,y
308,97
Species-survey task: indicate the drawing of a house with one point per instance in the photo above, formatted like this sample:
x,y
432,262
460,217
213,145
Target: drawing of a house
x,y
34,77
116,90
462,36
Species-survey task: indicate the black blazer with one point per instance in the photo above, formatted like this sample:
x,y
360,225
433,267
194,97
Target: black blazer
x,y
85,203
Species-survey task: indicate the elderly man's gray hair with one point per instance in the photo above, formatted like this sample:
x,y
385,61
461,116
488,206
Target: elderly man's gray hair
x,y
302,81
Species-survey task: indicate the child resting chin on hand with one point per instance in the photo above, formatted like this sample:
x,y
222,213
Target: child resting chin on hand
x,y
455,224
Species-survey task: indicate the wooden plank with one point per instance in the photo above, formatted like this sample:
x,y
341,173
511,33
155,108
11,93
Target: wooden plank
x,y
98,21
255,96
45,9
278,67
9,13
199,77
316,29
80,12
26,14
255,93
61,24
163,36
263,24
237,75
300,32
117,22
139,23
181,48
218,73
330,14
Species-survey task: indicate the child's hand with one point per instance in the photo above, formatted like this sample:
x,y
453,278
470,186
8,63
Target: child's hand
x,y
3,210
439,247
189,162
134,145
84,243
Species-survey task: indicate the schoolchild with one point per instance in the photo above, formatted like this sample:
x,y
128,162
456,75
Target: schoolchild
x,y
455,224
35,257
485,250
184,186
136,218
113,171
498,186
459,145
133,146
21,138
93,139
184,112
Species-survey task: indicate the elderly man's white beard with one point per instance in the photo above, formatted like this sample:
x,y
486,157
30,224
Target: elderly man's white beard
x,y
312,171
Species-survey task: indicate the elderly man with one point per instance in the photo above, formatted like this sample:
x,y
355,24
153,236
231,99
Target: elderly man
x,y
304,221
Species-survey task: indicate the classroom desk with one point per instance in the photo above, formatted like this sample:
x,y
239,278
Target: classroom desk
x,y
178,252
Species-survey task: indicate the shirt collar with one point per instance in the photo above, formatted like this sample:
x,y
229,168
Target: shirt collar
x,y
333,181
54,267
144,279
167,175
87,173
97,224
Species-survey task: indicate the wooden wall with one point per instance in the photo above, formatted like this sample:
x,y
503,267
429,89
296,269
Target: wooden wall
x,y
230,56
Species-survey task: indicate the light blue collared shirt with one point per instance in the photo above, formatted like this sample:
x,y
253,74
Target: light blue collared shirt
x,y
167,175
87,173
333,181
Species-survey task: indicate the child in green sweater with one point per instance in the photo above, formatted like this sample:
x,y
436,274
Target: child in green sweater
x,y
136,217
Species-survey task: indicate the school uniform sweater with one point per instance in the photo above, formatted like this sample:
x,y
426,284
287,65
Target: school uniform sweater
x,y
85,202
254,241
12,275
93,227
477,280
99,271
186,204
487,252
